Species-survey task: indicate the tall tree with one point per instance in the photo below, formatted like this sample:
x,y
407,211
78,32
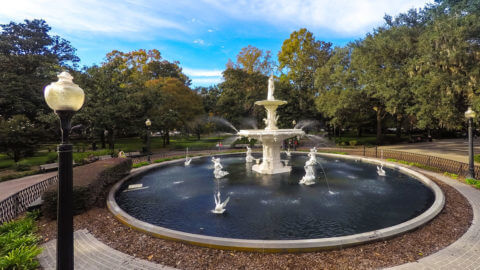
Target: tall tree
x,y
239,91
252,59
29,59
301,55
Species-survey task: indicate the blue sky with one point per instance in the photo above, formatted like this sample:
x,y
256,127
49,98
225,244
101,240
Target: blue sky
x,y
201,34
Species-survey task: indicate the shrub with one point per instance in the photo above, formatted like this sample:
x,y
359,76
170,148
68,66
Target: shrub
x,y
90,185
140,164
22,166
451,175
18,244
353,142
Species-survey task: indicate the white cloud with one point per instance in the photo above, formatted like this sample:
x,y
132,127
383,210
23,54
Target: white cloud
x,y
109,17
206,81
340,16
202,72
210,30
199,41
204,77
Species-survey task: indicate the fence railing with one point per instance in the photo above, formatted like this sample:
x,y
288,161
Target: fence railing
x,y
442,164
20,201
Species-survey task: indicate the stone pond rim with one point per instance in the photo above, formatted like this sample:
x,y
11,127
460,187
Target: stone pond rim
x,y
303,245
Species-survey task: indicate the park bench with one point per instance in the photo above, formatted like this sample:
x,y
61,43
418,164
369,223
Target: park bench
x,y
133,154
51,167
48,167
104,157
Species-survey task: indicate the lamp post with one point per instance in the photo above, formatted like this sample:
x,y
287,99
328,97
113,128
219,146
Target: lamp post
x,y
148,123
65,98
470,114
294,123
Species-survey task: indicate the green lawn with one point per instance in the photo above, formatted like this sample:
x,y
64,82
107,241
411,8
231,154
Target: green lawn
x,y
124,144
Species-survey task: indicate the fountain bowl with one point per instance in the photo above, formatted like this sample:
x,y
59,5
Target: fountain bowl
x,y
276,245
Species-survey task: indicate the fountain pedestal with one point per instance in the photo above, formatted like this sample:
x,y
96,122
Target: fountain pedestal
x,y
271,137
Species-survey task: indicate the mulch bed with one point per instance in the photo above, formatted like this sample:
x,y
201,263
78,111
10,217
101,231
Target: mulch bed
x,y
447,227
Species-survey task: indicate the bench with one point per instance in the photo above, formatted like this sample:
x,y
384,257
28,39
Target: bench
x,y
51,167
48,167
104,157
133,154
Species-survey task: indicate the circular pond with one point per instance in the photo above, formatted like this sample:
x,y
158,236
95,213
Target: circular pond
x,y
355,200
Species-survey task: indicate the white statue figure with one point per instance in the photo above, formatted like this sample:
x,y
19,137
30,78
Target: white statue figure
x,y
217,168
249,157
219,205
187,159
381,171
289,154
309,178
271,88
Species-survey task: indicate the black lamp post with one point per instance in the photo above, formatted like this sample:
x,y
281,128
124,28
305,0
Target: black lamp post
x,y
470,114
148,123
65,98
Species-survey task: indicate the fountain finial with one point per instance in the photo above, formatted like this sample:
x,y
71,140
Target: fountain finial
x,y
271,88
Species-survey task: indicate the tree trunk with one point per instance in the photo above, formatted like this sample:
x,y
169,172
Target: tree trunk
x,y
168,138
102,139
198,135
379,127
398,132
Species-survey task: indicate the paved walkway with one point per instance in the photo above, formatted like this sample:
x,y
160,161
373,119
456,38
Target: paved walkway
x,y
91,254
462,254
465,252
10,187
455,149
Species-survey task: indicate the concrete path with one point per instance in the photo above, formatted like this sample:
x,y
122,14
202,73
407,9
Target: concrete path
x,y
462,254
455,149
10,187
465,252
91,254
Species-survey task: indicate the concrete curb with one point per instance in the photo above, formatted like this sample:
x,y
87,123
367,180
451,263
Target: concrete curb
x,y
280,245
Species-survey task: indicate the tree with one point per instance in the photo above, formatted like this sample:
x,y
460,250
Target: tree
x,y
180,105
251,59
301,55
29,60
341,99
19,137
239,91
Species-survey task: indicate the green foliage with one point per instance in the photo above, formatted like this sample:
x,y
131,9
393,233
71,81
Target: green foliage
x,y
239,91
476,158
300,57
29,59
472,181
18,244
140,164
352,142
22,166
90,185
416,164
451,175
23,257
19,136
251,59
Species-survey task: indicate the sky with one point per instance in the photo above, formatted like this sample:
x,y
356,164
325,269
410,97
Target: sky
x,y
201,34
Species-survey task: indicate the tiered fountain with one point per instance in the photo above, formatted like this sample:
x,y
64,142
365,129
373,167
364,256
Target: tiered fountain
x,y
271,137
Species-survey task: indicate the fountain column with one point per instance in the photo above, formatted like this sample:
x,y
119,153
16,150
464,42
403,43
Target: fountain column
x,y
271,137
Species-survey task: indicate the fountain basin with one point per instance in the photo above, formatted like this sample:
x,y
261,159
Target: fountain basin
x,y
271,141
210,237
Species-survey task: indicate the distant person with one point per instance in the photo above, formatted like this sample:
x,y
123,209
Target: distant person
x,y
295,144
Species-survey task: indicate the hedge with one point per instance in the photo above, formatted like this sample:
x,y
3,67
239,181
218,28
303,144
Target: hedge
x,y
90,185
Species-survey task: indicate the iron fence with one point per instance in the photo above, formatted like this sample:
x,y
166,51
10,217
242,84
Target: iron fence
x,y
441,164
20,201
